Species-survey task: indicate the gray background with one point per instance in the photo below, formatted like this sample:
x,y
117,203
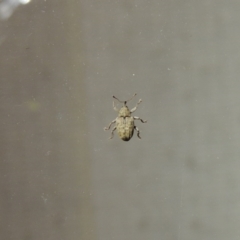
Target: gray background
x,y
60,176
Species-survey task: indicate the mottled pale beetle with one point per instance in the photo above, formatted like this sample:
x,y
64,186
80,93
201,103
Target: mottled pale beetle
x,y
125,122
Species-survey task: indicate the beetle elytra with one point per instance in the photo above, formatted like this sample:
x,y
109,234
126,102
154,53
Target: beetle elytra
x,y
125,122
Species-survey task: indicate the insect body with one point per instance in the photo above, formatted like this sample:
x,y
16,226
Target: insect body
x,y
125,122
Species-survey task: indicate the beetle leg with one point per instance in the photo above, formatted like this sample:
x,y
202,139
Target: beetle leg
x,y
138,118
135,108
107,128
115,107
112,132
138,132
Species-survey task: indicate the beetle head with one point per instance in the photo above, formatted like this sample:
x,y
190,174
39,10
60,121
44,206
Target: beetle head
x,y
124,111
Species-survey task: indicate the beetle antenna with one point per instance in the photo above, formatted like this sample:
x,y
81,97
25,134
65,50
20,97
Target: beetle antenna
x,y
131,97
118,99
127,100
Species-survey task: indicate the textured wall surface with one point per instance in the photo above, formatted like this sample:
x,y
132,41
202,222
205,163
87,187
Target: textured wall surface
x,y
182,58
60,176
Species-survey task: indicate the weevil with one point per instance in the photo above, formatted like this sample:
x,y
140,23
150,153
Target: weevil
x,y
125,122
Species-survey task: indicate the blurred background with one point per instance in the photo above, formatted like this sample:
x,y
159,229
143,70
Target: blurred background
x,y
60,64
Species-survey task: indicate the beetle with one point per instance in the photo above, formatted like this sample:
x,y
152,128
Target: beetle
x,y
125,122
